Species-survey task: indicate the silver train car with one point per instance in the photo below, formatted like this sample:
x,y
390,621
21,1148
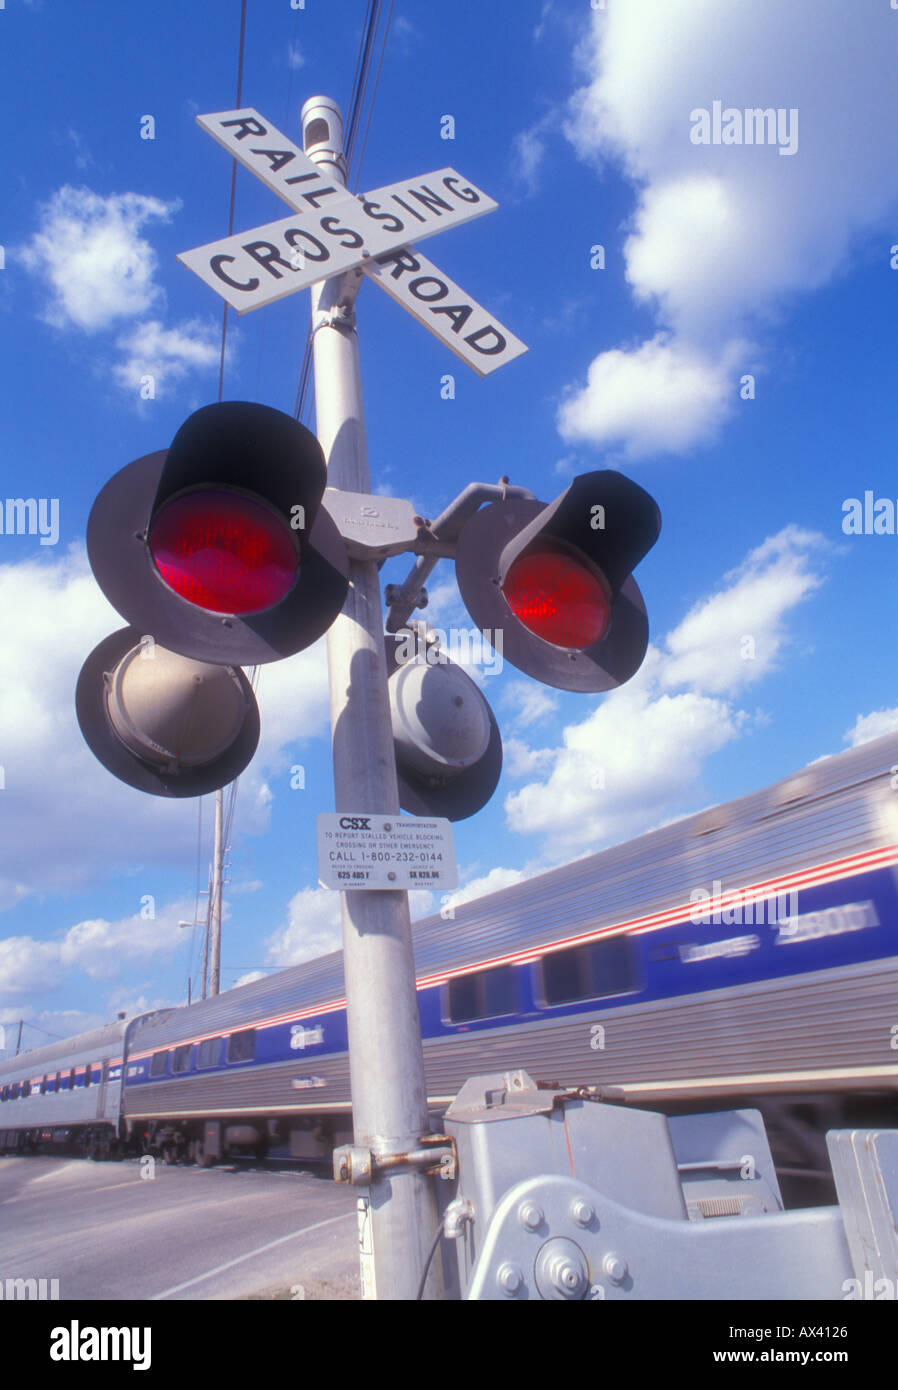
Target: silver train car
x,y
746,954
67,1092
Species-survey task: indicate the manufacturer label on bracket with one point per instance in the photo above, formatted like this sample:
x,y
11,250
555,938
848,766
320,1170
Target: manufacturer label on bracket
x,y
371,526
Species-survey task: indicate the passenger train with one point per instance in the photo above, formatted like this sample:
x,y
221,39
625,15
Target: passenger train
x,y
745,955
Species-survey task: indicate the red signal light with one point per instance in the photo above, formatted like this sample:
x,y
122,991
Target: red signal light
x,y
558,599
226,552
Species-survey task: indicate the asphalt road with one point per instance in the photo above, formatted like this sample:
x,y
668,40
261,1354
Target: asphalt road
x,y
236,1231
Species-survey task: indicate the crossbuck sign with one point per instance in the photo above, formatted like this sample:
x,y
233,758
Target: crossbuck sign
x,y
331,231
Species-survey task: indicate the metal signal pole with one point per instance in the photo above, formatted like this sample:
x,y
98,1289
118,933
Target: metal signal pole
x,y
398,1211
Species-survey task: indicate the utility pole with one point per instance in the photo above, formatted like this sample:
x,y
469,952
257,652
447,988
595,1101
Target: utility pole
x,y
398,1211
208,892
19,1038
215,902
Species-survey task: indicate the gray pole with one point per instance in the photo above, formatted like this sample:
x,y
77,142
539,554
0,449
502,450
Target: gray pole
x,y
389,1099
19,1038
206,939
215,965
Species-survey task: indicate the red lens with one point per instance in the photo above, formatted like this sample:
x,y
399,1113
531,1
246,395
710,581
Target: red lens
x,y
223,551
557,598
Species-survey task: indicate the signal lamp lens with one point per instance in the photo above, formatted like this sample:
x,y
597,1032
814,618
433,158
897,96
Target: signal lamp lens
x,y
558,599
223,551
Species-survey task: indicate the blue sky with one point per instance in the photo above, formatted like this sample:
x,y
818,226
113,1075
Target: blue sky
x,y
772,631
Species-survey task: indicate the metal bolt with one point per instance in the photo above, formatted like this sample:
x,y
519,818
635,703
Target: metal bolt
x,y
561,1270
615,1267
387,825
391,876
582,1212
530,1215
509,1278
564,1275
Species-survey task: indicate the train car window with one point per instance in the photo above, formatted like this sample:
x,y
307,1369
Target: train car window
x,y
14,1091
209,1054
159,1064
485,994
26,1089
44,1086
242,1046
87,1075
58,1083
589,972
4,1094
181,1058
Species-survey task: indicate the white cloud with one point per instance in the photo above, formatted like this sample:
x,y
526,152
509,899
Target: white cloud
x,y
249,978
295,56
520,761
103,949
662,397
314,925
166,354
92,258
491,882
98,269
27,965
870,726
528,703
11,892
734,638
96,948
638,753
637,760
722,235
445,608
528,151
313,928
251,885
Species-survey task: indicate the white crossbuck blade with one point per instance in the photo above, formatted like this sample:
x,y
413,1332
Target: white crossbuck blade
x,y
332,230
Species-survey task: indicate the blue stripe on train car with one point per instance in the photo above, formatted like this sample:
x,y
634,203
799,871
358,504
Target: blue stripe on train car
x,y
279,1043
847,922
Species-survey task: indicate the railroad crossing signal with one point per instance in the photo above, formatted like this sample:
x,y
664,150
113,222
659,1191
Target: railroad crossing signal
x,y
161,722
219,554
332,231
447,742
555,580
219,546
